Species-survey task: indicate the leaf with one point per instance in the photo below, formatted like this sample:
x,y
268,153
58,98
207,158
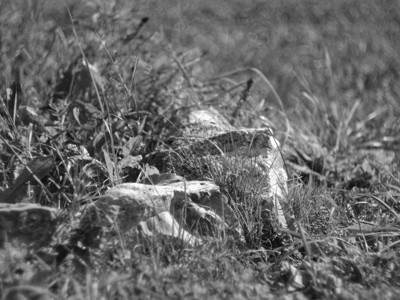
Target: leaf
x,y
141,126
39,166
147,172
77,79
75,112
131,145
35,170
110,167
98,79
295,280
130,161
14,99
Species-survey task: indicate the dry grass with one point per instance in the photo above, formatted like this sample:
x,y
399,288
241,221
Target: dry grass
x,y
96,94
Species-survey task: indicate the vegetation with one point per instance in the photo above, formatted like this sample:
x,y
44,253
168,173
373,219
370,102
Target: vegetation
x,y
87,91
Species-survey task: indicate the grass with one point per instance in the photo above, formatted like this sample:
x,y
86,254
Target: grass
x,y
329,90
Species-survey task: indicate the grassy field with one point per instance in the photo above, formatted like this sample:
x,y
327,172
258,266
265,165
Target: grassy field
x,y
324,75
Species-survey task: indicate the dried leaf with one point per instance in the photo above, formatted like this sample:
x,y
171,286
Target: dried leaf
x,y
364,228
75,112
147,172
130,161
110,166
77,79
37,168
14,99
141,126
132,145
295,280
98,79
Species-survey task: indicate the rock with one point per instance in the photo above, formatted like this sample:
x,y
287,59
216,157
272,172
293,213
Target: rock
x,y
208,146
165,226
127,205
205,123
27,223
180,204
205,214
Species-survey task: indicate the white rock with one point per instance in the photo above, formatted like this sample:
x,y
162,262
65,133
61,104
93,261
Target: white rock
x,y
209,140
127,205
165,226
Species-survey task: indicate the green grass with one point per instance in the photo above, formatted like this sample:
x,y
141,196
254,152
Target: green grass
x,y
333,65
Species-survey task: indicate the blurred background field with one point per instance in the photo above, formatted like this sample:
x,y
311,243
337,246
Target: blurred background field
x,y
346,47
339,52
333,56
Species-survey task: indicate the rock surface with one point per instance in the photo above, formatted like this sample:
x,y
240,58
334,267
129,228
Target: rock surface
x,y
164,225
27,223
129,205
180,204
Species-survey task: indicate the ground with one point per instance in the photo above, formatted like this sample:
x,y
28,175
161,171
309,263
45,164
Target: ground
x,y
322,74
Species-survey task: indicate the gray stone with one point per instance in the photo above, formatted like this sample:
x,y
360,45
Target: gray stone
x,y
178,204
27,223
127,205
